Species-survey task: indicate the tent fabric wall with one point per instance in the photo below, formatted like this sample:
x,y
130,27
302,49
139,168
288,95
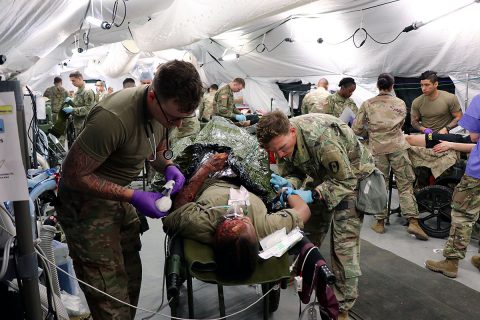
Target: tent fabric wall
x,y
39,37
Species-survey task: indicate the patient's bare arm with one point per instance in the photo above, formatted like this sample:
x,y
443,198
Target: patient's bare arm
x,y
296,202
213,164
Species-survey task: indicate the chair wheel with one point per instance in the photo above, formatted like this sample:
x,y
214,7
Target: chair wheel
x,y
434,210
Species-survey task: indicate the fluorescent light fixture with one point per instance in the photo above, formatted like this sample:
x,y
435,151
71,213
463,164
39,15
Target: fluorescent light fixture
x,y
229,57
97,22
93,21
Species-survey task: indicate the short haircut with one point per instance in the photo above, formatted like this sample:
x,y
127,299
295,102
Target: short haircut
x,y
76,74
57,80
214,86
179,80
429,75
322,80
346,82
385,81
240,81
272,125
127,81
235,250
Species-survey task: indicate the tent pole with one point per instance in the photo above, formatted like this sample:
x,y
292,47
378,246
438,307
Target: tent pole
x,y
466,92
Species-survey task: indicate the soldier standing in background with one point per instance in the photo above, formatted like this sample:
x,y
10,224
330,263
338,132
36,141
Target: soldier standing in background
x,y
313,101
101,92
435,110
57,95
326,149
465,202
206,106
223,104
380,120
338,102
83,102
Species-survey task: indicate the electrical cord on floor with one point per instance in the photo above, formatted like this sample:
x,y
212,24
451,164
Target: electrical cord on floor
x,y
276,287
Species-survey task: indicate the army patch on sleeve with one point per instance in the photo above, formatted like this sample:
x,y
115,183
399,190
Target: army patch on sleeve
x,y
333,166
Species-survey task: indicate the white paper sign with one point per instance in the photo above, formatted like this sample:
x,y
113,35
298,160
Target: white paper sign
x,y
13,181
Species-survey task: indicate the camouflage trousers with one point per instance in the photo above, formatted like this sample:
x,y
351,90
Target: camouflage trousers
x,y
344,245
465,212
104,243
404,177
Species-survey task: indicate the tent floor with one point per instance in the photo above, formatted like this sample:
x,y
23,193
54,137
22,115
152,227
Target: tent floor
x,y
394,284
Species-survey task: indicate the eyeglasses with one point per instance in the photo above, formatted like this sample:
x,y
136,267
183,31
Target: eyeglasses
x,y
171,119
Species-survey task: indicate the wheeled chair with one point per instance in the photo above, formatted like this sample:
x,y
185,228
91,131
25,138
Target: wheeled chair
x,y
188,259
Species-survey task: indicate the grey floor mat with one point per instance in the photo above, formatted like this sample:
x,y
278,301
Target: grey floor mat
x,y
394,288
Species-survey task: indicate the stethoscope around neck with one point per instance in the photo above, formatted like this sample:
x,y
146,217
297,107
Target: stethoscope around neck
x,y
167,153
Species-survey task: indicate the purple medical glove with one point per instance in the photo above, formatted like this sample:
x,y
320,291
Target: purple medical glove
x,y
428,131
172,172
144,201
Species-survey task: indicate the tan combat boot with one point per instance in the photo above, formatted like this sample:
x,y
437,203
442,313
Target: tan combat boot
x,y
448,267
476,261
343,315
416,230
379,226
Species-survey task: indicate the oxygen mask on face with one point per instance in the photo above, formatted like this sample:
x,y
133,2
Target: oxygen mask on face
x,y
165,203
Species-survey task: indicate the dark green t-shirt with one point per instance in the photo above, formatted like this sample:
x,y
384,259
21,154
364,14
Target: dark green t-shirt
x,y
115,134
435,114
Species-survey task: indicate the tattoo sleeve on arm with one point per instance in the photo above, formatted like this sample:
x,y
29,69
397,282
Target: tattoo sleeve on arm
x,y
78,174
415,123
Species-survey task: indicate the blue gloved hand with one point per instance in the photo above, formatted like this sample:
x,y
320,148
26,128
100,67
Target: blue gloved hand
x,y
240,117
172,172
68,101
279,182
144,201
428,131
306,195
68,110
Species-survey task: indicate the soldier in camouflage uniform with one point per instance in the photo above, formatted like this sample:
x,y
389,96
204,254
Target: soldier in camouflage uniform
x,y
223,104
465,202
336,103
96,208
82,103
380,120
313,101
101,92
327,150
57,95
190,126
206,106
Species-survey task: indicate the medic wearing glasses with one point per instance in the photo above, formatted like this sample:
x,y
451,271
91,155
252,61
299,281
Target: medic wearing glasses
x,y
96,207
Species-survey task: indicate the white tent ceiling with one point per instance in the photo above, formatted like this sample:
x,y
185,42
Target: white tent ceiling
x,y
37,38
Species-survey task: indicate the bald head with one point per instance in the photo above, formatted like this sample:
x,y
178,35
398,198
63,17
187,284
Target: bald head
x,y
323,83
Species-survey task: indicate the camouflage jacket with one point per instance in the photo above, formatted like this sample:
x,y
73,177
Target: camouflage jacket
x,y
100,95
335,104
328,151
56,96
380,119
313,101
206,106
223,104
189,127
82,104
